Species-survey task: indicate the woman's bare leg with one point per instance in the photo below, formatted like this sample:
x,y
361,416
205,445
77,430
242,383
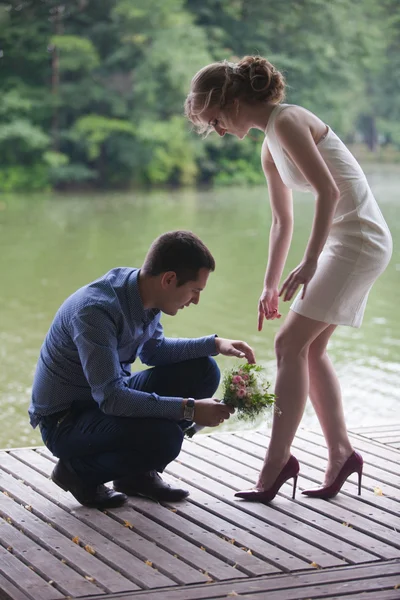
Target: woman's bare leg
x,y
326,399
292,386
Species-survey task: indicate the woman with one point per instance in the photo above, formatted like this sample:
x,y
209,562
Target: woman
x,y
348,248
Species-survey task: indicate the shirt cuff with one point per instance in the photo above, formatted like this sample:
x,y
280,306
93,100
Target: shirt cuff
x,y
210,345
172,407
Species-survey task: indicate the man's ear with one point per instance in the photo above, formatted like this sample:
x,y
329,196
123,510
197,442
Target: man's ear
x,y
168,278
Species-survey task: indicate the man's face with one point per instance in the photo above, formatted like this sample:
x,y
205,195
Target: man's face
x,y
176,297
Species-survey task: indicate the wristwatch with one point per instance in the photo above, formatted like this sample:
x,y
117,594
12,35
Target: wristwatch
x,y
188,411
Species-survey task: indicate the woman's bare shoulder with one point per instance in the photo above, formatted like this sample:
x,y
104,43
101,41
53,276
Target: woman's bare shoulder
x,y
298,118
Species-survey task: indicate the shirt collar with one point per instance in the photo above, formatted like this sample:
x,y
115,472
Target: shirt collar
x,y
139,313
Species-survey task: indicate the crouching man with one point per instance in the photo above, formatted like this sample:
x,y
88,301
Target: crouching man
x,y
105,423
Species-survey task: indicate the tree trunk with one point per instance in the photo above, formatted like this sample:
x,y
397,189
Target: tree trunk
x,y
55,79
371,133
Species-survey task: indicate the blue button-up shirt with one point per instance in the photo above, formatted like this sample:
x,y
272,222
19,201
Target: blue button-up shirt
x,y
95,336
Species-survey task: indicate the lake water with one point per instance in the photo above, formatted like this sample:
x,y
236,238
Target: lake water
x,y
52,244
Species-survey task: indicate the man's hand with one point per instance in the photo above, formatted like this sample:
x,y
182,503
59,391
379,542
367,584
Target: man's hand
x,y
210,413
235,348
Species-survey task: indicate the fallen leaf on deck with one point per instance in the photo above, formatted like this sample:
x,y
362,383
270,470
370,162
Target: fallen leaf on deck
x,y
8,520
89,578
378,491
28,507
64,561
233,593
148,563
9,548
173,509
231,541
6,493
348,525
75,540
51,582
128,524
202,548
397,586
315,565
89,549
249,551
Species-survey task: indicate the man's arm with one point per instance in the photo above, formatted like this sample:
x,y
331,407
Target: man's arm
x,y
160,350
94,333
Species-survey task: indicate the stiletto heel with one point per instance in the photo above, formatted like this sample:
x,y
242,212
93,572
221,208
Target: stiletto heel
x,y
354,464
359,480
294,486
291,469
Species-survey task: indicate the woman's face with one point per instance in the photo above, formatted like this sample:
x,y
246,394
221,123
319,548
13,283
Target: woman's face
x,y
226,120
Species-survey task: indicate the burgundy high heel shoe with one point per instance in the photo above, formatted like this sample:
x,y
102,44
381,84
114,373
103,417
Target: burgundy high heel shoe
x,y
354,464
291,469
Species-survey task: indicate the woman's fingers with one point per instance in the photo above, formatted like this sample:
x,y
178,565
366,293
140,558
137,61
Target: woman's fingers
x,y
261,316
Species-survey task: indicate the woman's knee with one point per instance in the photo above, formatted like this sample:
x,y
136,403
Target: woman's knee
x,y
286,346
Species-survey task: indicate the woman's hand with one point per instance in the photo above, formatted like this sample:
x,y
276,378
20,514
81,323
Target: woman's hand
x,y
301,275
268,306
235,348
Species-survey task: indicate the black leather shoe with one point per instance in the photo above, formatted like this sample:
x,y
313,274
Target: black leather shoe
x,y
150,485
94,496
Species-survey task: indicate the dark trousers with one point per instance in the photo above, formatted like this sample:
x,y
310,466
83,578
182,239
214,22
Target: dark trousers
x,y
100,447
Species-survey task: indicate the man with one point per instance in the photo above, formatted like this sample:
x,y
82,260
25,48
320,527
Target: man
x,y
102,422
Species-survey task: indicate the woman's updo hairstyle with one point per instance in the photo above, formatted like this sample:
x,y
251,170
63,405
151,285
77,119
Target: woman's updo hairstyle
x,y
253,79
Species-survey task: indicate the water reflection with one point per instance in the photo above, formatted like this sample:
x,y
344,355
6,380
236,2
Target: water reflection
x,y
49,246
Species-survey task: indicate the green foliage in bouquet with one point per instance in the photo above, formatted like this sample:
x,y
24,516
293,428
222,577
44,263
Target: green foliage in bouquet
x,y
247,390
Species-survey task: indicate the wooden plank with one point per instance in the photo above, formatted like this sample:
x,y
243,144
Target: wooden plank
x,y
174,556
113,567
178,527
348,509
269,514
45,564
34,586
339,590
8,591
286,545
371,429
387,439
378,454
390,594
326,532
314,458
163,519
224,520
383,469
300,585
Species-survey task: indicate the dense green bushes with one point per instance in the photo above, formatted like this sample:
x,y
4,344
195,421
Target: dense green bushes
x,y
92,92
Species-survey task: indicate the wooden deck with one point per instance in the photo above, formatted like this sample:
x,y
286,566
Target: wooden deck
x,y
212,545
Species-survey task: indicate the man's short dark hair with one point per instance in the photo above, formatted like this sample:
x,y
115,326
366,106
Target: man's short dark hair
x,y
181,252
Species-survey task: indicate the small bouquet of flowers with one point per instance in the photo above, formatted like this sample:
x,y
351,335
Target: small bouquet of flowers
x,y
246,389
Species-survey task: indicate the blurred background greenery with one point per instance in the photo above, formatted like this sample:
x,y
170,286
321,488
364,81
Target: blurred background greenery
x,y
92,91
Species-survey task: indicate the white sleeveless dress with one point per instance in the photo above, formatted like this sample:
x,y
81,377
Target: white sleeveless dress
x,y
359,245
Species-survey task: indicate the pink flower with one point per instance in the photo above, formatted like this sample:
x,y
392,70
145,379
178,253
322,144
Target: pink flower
x,y
245,377
241,392
237,379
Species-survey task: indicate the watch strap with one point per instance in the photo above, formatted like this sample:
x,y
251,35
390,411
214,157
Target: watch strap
x,y
188,411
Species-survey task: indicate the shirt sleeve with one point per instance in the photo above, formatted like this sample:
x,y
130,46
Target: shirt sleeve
x,y
94,333
160,350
